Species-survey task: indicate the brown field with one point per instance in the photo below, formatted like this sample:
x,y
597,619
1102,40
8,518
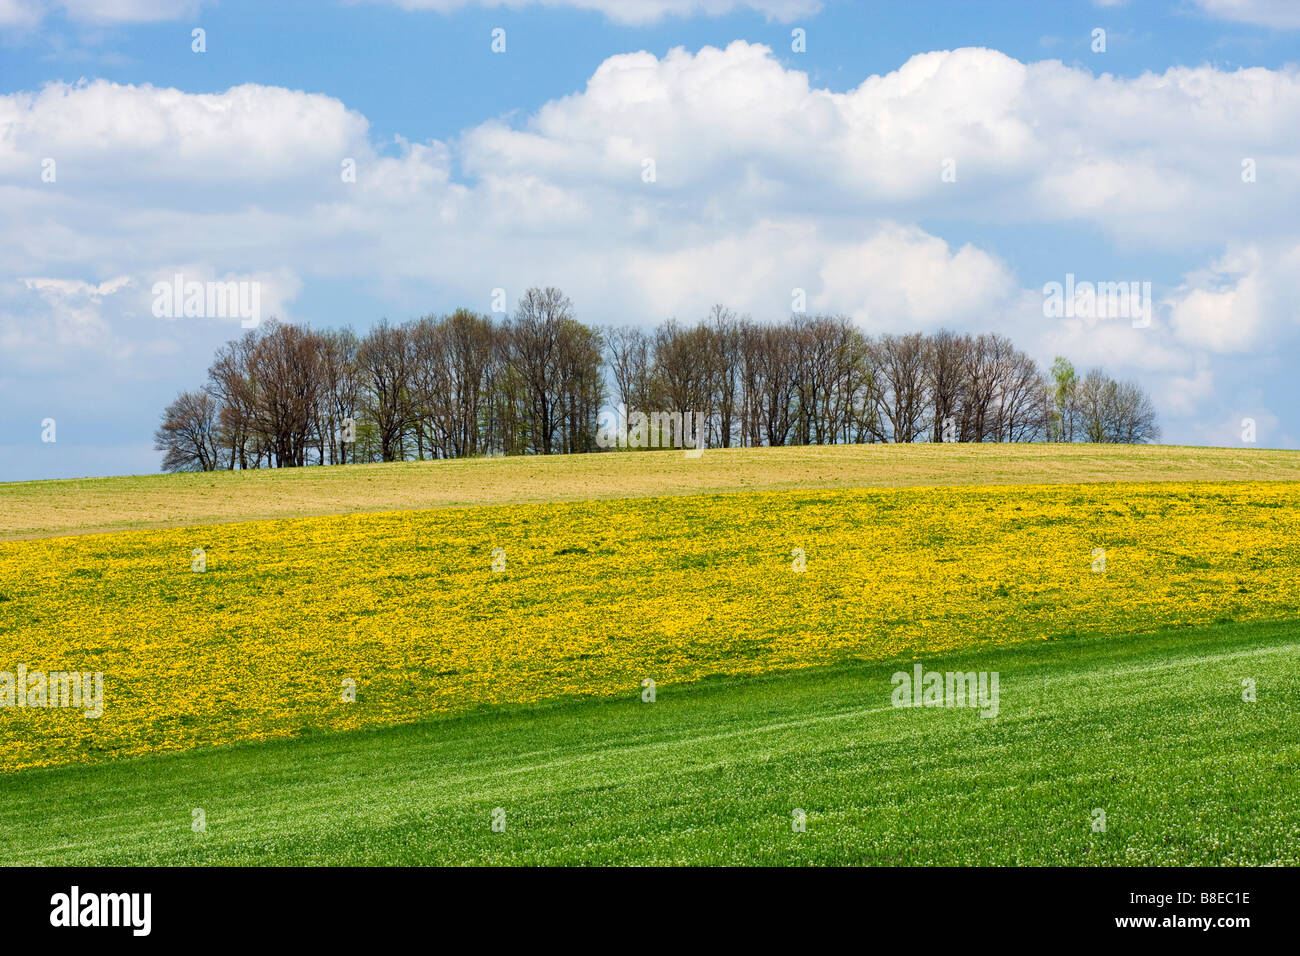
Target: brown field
x,y
89,505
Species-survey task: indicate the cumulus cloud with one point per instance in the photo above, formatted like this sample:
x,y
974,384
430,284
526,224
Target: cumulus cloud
x,y
1245,301
246,135
1158,156
903,278
734,136
762,183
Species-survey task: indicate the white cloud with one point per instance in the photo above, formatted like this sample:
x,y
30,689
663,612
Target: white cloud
x,y
735,137
635,12
1246,301
19,13
27,13
1279,14
1152,158
902,278
127,11
1183,395
71,317
247,135
1229,429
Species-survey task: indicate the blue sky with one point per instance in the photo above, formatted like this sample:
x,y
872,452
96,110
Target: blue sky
x,y
775,169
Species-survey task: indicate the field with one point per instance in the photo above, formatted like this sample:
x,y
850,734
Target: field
x,y
769,596
1153,732
78,506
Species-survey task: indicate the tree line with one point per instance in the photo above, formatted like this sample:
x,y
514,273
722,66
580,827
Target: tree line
x,y
536,382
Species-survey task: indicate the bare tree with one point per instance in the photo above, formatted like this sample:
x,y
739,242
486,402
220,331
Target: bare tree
x,y
831,365
534,347
900,392
188,434
230,382
1134,415
945,379
1020,407
384,370
581,386
1095,401
725,370
774,383
287,387
340,394
628,356
684,371
1111,411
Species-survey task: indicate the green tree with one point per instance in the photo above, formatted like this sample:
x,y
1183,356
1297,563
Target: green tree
x,y
1066,386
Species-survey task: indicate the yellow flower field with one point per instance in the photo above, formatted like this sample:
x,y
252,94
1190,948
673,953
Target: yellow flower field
x,y
596,596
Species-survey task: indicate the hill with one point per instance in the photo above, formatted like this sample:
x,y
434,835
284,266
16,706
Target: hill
x,y
86,505
393,653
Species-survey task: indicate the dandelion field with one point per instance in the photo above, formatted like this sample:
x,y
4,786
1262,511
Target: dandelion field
x,y
596,597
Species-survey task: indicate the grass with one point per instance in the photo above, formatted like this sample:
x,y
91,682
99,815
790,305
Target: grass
x,y
85,505
1153,730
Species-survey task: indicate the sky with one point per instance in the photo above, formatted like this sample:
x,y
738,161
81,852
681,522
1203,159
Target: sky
x,y
913,166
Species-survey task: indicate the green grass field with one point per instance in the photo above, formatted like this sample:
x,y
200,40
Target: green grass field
x,y
1154,732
